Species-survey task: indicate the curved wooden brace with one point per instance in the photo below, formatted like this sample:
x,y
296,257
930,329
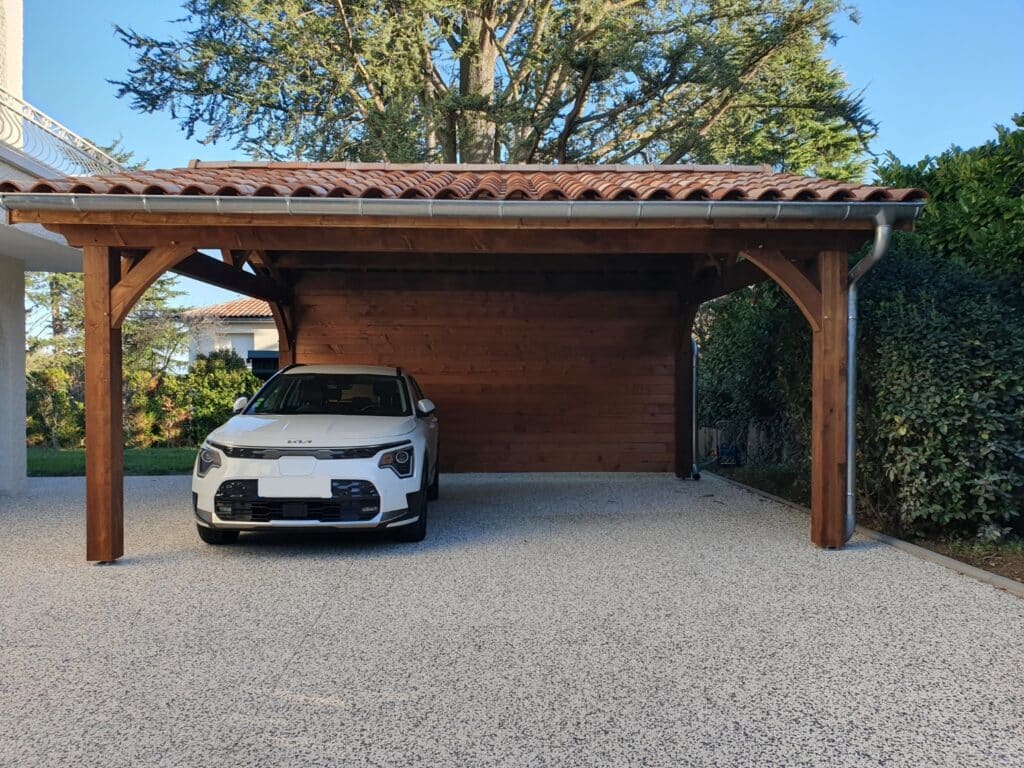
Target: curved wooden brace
x,y
143,274
794,282
285,323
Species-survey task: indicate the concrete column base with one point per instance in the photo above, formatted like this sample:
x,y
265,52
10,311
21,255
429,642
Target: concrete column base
x,y
12,375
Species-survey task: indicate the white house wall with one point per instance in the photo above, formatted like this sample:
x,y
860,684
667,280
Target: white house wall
x,y
12,375
241,335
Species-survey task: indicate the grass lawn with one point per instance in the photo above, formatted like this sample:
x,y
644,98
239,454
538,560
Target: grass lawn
x,y
1006,559
51,462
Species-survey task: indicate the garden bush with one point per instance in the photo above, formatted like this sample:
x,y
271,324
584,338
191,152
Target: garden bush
x,y
975,211
940,390
210,388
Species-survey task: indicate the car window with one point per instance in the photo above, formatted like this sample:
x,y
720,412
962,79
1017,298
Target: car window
x,y
341,394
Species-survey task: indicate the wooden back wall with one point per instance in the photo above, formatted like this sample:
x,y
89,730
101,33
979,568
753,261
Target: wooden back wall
x,y
524,381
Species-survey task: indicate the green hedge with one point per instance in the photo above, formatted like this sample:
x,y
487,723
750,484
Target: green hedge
x,y
940,391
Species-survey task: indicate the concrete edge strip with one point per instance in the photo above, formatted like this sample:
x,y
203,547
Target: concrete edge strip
x,y
1015,588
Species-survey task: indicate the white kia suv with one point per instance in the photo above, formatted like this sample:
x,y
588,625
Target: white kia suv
x,y
321,446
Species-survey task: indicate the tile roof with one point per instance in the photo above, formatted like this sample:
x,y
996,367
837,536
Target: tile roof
x,y
228,309
499,182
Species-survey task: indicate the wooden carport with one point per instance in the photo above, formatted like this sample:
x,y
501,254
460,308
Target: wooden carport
x,y
546,309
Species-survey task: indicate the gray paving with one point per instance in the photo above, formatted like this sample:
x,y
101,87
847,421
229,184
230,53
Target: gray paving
x,y
571,620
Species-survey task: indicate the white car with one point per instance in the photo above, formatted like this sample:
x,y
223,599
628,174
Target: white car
x,y
321,446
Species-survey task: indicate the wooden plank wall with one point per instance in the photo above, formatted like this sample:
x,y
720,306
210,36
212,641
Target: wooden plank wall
x,y
523,380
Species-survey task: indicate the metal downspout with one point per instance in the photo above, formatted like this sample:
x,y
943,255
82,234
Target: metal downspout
x,y
883,233
694,428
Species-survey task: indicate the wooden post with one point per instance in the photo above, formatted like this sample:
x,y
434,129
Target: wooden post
x,y
684,458
828,407
104,440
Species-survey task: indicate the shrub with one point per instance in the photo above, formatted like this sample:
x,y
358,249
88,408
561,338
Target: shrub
x,y
940,390
976,211
755,379
210,387
55,418
942,396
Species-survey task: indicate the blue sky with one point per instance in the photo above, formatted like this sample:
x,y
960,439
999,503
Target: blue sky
x,y
936,73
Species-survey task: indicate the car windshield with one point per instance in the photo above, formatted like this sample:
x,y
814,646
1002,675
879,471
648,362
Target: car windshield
x,y
336,394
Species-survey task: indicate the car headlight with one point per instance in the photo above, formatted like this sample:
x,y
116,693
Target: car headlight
x,y
400,461
208,459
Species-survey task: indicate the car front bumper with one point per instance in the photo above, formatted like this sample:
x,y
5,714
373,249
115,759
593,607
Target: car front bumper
x,y
395,518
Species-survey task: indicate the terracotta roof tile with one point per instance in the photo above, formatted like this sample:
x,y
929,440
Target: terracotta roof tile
x,y
237,308
503,182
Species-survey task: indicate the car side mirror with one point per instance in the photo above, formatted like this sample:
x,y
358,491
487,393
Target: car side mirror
x,y
239,405
425,407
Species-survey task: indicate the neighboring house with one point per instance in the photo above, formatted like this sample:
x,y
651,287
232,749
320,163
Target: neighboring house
x,y
245,326
32,145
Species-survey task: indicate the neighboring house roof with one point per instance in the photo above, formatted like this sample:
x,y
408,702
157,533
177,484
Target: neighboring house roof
x,y
465,182
240,308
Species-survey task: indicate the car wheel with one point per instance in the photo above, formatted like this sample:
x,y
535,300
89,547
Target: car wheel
x,y
213,536
416,531
434,491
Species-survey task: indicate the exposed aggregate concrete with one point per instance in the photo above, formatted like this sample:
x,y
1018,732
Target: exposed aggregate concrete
x,y
548,620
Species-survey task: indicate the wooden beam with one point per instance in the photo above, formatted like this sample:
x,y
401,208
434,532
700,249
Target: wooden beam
x,y
104,441
828,404
540,282
201,267
684,458
467,262
483,241
740,275
341,223
236,259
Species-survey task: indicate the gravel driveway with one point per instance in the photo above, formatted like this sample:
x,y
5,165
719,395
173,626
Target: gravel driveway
x,y
571,620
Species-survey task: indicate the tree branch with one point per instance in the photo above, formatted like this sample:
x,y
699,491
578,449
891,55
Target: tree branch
x,y
357,62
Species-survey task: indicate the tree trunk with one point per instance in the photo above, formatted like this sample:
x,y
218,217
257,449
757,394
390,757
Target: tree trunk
x,y
56,316
476,86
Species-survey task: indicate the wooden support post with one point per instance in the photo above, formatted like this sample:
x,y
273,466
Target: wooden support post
x,y
104,441
828,407
684,458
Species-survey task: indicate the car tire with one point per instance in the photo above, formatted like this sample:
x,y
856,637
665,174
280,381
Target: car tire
x,y
417,531
216,537
434,491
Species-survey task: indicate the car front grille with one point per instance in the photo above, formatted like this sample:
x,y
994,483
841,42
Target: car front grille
x,y
351,501
324,454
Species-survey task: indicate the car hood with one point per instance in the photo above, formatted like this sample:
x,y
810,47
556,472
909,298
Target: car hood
x,y
269,431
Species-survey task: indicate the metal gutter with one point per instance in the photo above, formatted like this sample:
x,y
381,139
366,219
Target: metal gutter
x,y
883,234
564,210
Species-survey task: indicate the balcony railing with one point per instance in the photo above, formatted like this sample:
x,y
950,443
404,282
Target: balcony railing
x,y
36,134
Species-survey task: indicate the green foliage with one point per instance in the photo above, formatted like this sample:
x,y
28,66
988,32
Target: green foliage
x,y
515,81
124,156
154,343
55,416
210,388
942,394
940,391
976,211
755,377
